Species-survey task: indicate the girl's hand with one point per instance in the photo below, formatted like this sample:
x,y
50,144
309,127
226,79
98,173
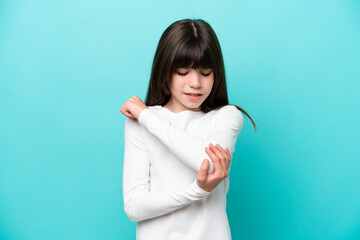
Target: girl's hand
x,y
133,107
222,160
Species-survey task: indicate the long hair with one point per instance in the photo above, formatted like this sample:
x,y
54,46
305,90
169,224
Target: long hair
x,y
183,43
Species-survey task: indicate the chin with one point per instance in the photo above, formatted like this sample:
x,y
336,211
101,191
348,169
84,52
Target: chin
x,y
193,106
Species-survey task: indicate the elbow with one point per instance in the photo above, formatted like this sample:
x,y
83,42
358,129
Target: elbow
x,y
132,212
131,215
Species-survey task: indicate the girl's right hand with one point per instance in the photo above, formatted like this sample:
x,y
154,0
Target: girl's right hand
x,y
222,160
133,107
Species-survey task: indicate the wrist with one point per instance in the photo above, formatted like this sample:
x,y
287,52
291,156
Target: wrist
x,y
142,113
202,187
196,187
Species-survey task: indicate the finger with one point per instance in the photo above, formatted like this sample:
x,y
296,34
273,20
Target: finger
x,y
224,153
219,169
214,158
224,159
221,156
203,170
228,152
128,114
123,108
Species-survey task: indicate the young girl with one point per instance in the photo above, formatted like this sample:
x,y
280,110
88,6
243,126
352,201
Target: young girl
x,y
179,144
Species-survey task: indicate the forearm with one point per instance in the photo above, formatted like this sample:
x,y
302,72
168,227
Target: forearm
x,y
189,148
142,205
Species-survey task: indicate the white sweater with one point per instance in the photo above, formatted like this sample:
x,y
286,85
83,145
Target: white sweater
x,y
162,156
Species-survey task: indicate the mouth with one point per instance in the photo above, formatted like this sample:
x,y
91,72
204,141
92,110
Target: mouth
x,y
193,94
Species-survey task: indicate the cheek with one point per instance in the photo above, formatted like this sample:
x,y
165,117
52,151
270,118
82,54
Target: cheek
x,y
177,84
209,84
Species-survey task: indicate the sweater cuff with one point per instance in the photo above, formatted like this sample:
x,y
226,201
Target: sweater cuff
x,y
195,187
143,116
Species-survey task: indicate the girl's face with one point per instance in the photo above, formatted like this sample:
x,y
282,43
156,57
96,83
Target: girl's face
x,y
189,88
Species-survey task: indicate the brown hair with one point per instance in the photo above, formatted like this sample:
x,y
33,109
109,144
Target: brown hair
x,y
183,43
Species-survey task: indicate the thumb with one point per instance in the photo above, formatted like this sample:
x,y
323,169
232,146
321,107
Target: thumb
x,y
203,170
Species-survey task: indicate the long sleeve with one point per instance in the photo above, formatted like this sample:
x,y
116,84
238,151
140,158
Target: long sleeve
x,y
139,202
189,148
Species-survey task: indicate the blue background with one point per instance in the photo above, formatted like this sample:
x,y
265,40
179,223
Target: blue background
x,y
66,67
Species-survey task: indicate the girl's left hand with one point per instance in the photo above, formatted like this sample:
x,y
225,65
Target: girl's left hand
x,y
133,107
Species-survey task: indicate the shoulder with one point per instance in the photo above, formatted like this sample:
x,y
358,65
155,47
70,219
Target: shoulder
x,y
156,108
132,127
159,110
134,134
230,111
230,115
135,123
131,123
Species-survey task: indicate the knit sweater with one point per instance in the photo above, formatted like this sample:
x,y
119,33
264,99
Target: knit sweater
x,y
162,157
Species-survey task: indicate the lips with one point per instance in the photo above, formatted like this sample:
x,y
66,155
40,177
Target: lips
x,y
193,94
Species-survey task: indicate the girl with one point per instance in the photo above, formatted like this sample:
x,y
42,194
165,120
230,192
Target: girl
x,y
179,144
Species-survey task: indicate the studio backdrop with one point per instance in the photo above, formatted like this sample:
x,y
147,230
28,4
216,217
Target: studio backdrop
x,y
66,68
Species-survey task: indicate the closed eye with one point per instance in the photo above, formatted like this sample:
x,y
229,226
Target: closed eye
x,y
206,74
182,74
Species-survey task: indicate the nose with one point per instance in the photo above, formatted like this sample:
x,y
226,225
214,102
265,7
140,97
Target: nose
x,y
194,80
